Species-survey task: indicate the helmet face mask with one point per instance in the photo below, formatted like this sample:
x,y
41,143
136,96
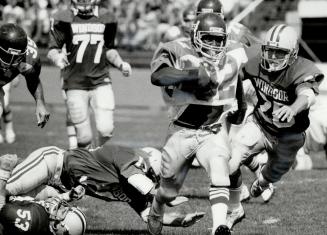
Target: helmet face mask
x,y
279,49
84,7
10,57
210,37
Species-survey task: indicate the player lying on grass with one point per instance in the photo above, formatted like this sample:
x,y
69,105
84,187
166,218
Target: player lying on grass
x,y
110,173
31,217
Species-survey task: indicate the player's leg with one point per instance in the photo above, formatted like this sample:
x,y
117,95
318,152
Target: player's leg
x,y
213,155
78,108
7,164
280,160
248,142
103,104
1,111
10,135
42,166
174,168
71,132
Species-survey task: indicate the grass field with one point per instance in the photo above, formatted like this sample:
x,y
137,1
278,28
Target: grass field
x,y
298,207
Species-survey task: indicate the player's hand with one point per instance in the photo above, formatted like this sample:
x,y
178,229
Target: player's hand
x,y
204,74
61,60
177,219
284,113
178,200
126,69
42,115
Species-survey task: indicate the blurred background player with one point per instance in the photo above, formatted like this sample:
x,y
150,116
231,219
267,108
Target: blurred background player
x,y
88,33
191,71
110,173
286,86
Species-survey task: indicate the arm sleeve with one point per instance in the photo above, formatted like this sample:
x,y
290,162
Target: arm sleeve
x,y
58,33
110,34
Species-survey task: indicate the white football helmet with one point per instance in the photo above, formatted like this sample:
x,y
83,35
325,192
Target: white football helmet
x,y
74,223
280,48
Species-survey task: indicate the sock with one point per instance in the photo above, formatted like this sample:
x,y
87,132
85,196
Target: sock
x,y
234,198
219,197
72,138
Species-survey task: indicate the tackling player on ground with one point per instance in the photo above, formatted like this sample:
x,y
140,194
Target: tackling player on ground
x,y
88,34
110,173
285,86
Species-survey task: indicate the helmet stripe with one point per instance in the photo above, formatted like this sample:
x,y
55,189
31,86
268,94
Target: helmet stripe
x,y
280,31
81,215
276,32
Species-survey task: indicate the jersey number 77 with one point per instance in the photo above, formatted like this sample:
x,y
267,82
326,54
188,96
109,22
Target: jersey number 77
x,y
83,40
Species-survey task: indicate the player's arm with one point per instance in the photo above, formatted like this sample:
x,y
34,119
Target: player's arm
x,y
56,54
35,88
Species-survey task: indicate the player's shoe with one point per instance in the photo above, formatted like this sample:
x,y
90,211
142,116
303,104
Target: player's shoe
x,y
256,189
155,222
268,193
222,230
245,194
235,216
10,136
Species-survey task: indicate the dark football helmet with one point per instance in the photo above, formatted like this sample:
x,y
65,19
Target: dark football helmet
x,y
85,7
209,36
210,6
13,45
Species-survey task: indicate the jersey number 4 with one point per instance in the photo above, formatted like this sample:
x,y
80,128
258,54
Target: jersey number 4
x,y
83,40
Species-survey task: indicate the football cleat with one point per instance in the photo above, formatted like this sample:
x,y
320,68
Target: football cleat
x,y
235,216
268,193
222,230
245,194
256,189
155,223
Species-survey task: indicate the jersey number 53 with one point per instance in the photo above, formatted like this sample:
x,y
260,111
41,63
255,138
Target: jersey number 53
x,y
83,40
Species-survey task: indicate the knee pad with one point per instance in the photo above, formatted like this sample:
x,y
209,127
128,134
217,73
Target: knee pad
x,y
77,113
106,129
83,134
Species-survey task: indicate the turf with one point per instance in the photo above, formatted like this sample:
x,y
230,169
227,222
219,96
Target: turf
x,y
298,207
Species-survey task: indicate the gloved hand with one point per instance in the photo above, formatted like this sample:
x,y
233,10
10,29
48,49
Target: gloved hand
x,y
126,69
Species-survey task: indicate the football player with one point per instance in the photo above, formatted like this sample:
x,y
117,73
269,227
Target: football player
x,y
198,77
88,33
286,86
110,173
19,55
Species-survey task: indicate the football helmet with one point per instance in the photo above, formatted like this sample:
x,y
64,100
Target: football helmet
x,y
13,45
280,48
209,37
65,219
84,7
210,6
189,16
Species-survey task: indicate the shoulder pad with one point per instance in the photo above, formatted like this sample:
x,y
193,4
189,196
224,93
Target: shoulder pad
x,y
64,16
107,16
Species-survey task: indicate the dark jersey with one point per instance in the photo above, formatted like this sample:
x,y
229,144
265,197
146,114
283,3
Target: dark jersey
x,y
86,40
281,88
24,217
29,67
104,173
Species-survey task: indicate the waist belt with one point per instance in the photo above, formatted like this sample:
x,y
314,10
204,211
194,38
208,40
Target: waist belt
x,y
214,128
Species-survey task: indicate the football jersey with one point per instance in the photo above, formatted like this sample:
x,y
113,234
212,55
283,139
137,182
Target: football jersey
x,y
280,88
183,105
104,173
29,67
24,217
86,39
